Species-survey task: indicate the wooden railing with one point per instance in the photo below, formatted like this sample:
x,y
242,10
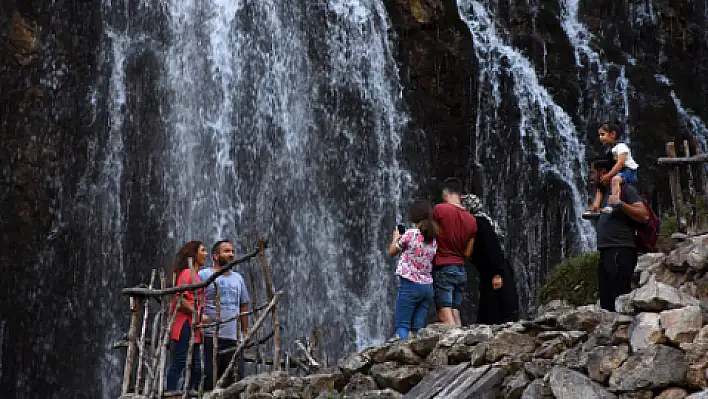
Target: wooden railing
x,y
146,378
689,168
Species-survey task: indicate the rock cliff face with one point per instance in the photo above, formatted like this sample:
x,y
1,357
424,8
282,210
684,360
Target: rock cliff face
x,y
645,64
641,62
655,347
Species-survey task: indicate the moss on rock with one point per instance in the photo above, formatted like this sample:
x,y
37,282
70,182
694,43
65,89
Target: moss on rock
x,y
574,280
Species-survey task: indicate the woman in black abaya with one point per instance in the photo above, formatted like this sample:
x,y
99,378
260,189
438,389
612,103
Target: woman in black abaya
x,y
498,300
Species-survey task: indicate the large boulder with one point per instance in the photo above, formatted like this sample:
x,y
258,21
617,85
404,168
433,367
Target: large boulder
x,y
570,384
509,343
604,359
656,296
397,377
645,330
656,366
697,363
682,325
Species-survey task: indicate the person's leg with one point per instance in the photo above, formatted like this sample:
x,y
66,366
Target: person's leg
x,y
458,292
421,309
195,377
405,305
616,182
604,282
225,359
208,363
443,291
624,262
179,358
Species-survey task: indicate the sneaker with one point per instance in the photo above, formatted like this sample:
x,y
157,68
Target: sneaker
x,y
394,338
591,215
608,210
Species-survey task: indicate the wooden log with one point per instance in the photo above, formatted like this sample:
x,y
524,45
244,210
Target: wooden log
x,y
274,313
701,170
232,318
308,356
128,369
215,351
147,292
698,158
165,344
675,185
156,340
143,332
256,326
691,188
192,337
249,345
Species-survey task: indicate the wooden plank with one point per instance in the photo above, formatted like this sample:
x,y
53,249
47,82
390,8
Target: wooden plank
x,y
436,381
132,333
691,188
675,185
699,158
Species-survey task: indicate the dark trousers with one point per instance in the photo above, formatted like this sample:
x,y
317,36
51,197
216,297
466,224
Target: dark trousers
x,y
178,362
614,274
222,361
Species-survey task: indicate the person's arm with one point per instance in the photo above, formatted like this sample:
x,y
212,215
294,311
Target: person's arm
x,y
469,248
244,320
244,300
397,243
633,207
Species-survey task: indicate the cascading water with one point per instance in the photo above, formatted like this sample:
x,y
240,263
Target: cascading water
x,y
534,166
604,92
233,119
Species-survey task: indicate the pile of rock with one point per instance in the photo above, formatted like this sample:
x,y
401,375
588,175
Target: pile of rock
x,y
655,346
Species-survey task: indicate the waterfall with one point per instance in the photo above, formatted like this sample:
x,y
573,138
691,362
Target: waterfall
x,y
600,76
535,166
231,119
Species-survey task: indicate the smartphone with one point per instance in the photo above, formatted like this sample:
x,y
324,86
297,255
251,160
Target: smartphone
x,y
401,229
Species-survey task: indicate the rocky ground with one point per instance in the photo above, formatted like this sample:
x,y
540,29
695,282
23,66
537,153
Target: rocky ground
x,y
656,346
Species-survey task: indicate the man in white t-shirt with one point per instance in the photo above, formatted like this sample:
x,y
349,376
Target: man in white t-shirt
x,y
234,299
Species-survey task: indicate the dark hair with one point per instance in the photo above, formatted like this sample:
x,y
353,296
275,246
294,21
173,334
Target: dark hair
x,y
422,212
613,127
215,248
602,163
453,185
189,250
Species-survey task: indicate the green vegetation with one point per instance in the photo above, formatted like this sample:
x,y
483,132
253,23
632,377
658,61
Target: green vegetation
x,y
574,280
668,223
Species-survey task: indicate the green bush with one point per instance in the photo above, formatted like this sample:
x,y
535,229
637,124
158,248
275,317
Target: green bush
x,y
574,280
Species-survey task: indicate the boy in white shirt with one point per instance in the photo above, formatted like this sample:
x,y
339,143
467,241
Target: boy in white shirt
x,y
623,172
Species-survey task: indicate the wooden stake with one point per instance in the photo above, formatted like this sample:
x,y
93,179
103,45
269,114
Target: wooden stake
x,y
215,354
675,185
156,340
165,345
701,169
256,326
269,289
691,189
127,370
143,332
192,338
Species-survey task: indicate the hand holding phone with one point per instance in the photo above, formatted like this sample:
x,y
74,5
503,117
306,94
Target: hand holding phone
x,y
401,229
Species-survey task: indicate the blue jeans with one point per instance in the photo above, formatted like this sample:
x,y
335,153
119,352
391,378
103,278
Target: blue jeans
x,y
412,304
179,361
449,282
629,176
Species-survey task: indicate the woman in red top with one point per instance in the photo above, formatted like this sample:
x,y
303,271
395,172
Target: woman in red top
x,y
182,328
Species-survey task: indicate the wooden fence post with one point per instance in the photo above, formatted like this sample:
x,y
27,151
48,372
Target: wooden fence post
x,y
128,369
675,185
691,190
